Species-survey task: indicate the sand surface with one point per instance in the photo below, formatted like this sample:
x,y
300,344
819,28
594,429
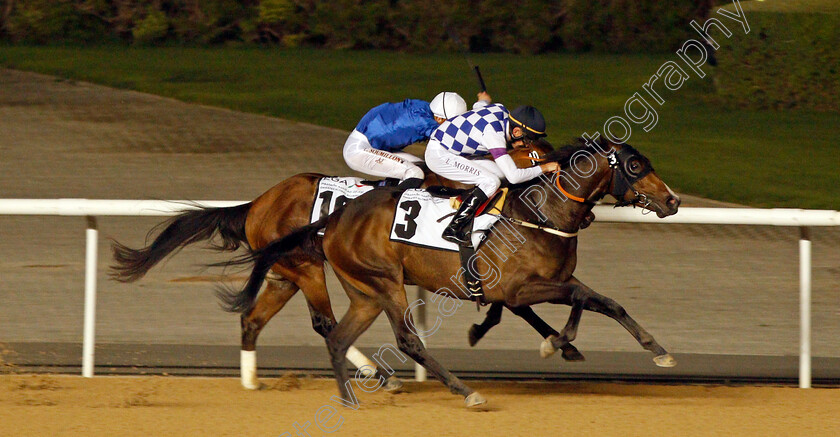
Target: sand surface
x,y
41,405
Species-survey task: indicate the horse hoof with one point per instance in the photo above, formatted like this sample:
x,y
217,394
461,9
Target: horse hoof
x,y
570,353
665,360
473,336
547,347
393,385
474,400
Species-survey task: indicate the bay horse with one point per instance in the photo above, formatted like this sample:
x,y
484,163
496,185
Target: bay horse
x,y
373,269
274,214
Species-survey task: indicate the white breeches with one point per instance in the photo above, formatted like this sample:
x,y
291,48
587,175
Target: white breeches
x,y
483,173
360,156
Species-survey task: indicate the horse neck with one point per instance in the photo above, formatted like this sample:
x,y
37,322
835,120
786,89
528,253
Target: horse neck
x,y
564,213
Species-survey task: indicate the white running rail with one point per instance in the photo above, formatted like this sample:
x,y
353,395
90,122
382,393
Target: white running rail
x,y
92,208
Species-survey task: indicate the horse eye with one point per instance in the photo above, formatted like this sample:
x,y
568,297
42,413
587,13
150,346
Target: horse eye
x,y
635,166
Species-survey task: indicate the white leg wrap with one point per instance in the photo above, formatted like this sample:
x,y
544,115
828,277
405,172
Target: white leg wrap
x,y
547,347
358,359
248,369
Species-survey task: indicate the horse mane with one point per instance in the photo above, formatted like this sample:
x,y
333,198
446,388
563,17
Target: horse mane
x,y
564,154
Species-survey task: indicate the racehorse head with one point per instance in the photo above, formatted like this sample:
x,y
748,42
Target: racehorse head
x,y
592,169
634,182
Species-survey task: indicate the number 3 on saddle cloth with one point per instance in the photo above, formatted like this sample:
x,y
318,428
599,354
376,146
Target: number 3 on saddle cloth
x,y
420,219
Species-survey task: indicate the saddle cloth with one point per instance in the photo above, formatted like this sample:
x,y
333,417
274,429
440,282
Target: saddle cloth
x,y
420,219
333,192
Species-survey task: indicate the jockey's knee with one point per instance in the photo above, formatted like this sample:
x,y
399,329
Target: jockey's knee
x,y
413,172
489,186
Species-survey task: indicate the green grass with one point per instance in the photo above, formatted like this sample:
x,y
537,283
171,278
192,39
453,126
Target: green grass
x,y
760,158
819,6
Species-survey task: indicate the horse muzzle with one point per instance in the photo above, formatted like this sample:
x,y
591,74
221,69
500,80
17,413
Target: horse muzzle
x,y
668,207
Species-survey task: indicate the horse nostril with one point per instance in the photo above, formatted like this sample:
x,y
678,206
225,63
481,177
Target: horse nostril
x,y
673,201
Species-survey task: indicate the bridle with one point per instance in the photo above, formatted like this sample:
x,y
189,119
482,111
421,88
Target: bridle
x,y
622,178
625,177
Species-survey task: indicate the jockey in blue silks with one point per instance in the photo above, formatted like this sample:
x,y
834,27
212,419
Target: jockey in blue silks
x,y
375,145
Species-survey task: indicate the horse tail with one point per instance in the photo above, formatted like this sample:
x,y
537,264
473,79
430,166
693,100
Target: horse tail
x,y
303,238
184,229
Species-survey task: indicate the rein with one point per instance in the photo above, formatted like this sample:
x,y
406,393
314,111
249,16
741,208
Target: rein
x,y
549,229
566,193
622,179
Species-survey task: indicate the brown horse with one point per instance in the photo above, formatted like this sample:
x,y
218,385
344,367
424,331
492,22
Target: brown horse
x,y
373,269
272,215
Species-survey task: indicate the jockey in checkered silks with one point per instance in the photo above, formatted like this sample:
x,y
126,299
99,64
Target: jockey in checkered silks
x,y
375,146
487,129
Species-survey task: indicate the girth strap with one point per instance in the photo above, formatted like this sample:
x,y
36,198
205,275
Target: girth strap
x,y
472,283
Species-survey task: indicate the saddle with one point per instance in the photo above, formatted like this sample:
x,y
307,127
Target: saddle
x,y
493,205
387,182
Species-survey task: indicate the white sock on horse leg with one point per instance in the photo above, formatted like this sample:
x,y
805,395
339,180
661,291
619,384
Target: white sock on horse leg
x,y
248,369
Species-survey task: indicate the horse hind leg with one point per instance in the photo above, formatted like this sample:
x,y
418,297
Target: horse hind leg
x,y
323,321
391,383
273,298
361,314
410,343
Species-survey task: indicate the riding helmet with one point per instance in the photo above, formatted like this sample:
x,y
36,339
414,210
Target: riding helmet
x,y
447,105
530,120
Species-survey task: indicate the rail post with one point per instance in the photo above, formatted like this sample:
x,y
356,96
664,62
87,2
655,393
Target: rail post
x,y
88,340
804,307
420,322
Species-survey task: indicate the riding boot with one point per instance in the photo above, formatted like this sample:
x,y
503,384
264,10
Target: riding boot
x,y
410,183
459,230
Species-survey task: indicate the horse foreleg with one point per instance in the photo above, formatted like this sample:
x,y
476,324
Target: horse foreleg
x,y
545,330
268,303
493,317
608,307
567,293
563,340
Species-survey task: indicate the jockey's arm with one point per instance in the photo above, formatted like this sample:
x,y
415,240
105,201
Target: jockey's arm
x,y
497,146
483,99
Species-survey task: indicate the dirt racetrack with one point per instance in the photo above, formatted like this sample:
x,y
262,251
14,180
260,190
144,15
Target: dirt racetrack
x,y
159,406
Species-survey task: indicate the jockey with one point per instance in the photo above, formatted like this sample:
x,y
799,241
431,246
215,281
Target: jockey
x,y
375,145
488,128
